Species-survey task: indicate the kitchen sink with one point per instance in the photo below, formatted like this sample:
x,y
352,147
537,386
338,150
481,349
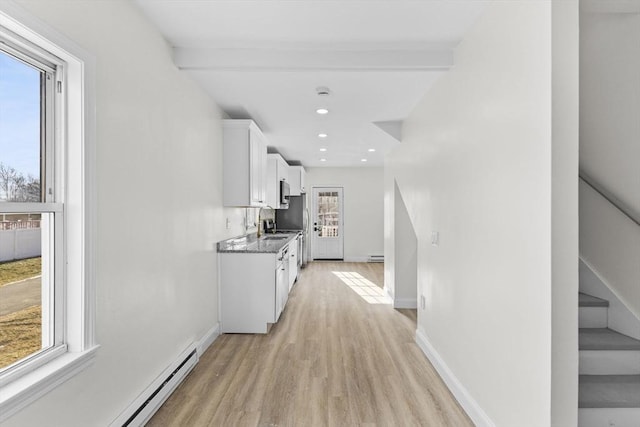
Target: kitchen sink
x,y
275,237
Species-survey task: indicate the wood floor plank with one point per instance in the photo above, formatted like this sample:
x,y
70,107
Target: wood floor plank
x,y
334,359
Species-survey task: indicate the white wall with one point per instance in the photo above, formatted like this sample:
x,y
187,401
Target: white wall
x,y
363,207
610,102
159,201
609,149
405,260
475,165
564,212
610,246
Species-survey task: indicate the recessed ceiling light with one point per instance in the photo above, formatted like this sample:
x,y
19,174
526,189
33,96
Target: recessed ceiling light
x,y
322,111
323,91
371,150
322,135
323,160
323,149
363,160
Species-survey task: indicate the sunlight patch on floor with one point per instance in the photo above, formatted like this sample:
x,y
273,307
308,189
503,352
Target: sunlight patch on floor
x,y
366,289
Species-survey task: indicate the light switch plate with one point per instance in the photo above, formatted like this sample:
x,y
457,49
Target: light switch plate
x,y
435,238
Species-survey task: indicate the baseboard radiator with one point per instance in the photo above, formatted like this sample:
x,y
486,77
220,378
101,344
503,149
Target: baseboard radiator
x,y
143,408
376,258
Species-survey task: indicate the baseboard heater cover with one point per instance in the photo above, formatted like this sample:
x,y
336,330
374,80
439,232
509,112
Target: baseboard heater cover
x,y
156,397
376,258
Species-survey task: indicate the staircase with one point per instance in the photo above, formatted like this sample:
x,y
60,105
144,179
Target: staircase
x,y
609,393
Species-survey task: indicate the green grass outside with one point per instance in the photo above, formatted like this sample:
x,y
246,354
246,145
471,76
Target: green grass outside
x,y
20,335
14,271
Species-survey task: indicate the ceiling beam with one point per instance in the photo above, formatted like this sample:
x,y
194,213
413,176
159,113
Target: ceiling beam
x,y
312,59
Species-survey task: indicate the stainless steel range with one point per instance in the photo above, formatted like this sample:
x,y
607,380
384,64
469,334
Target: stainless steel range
x,y
296,218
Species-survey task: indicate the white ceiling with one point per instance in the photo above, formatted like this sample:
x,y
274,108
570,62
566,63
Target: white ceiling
x,y
263,59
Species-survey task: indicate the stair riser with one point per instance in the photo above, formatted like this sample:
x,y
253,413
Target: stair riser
x,y
592,317
609,362
609,417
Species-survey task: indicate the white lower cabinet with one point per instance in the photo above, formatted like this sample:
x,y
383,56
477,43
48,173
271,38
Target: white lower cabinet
x,y
254,289
282,281
293,262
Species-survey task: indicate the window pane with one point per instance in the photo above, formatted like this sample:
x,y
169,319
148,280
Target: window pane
x,y
26,320
328,214
20,130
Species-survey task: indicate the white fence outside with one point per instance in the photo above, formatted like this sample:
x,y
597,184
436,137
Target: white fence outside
x,y
20,244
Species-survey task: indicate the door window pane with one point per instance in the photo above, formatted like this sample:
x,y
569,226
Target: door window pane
x,y
21,127
328,214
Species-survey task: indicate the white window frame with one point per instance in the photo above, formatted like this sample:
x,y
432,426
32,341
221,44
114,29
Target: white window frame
x,y
75,176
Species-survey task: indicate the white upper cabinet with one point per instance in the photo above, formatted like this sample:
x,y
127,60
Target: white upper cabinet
x,y
245,164
283,169
277,171
258,169
296,180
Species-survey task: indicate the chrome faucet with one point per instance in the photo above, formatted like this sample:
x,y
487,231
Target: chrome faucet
x,y
260,230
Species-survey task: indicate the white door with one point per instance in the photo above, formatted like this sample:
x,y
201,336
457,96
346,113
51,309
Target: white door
x,y
327,231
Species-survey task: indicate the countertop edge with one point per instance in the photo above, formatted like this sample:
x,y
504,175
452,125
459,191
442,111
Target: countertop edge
x,y
267,247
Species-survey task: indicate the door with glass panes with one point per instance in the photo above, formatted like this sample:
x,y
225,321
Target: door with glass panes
x,y
327,231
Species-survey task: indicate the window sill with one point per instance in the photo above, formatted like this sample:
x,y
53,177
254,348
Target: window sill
x,y
28,388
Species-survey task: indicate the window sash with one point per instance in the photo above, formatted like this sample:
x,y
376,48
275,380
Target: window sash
x,y
30,207
53,299
36,57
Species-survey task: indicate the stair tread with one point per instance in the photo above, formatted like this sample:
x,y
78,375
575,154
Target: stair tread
x,y
585,300
609,391
605,339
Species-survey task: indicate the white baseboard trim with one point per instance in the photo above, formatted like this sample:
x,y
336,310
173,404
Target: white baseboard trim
x,y
356,259
154,395
405,303
468,403
201,346
205,342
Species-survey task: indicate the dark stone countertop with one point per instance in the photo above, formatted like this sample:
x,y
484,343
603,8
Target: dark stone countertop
x,y
268,243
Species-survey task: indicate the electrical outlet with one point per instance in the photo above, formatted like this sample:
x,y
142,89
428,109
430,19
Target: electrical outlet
x,y
435,238
228,223
423,302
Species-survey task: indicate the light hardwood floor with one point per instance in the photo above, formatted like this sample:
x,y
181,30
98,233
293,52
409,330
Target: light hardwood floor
x,y
333,359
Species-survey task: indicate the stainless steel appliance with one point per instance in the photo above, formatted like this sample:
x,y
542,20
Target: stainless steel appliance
x,y
296,218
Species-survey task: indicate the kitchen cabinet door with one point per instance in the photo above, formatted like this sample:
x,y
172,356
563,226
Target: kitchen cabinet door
x,y
283,170
248,292
244,165
293,262
258,170
277,170
281,280
296,180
